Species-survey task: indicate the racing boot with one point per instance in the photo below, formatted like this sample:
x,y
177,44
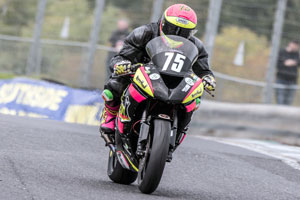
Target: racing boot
x,y
107,119
107,122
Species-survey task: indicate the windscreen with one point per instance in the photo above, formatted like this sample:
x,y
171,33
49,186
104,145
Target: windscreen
x,y
173,55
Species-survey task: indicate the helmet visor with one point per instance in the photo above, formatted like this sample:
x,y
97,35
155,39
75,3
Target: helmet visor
x,y
171,29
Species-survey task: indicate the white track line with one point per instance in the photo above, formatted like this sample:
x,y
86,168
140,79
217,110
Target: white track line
x,y
287,154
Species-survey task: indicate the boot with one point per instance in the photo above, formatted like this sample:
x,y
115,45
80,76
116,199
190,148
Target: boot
x,y
107,120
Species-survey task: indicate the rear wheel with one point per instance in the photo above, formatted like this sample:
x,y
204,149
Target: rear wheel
x,y
117,173
151,171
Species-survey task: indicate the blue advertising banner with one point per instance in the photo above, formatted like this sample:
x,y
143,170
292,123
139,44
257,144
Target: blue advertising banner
x,y
36,98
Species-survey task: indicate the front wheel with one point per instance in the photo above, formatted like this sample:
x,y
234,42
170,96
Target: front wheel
x,y
117,173
151,171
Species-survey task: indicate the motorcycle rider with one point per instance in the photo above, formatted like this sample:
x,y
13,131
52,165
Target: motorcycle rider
x,y
178,19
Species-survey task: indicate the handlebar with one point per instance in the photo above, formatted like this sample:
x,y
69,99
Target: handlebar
x,y
136,66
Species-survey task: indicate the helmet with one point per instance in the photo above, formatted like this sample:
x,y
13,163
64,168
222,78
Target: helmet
x,y
178,19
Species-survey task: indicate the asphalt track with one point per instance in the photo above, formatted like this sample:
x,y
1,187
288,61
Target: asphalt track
x,y
43,159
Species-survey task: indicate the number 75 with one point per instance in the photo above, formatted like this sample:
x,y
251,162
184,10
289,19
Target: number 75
x,y
177,64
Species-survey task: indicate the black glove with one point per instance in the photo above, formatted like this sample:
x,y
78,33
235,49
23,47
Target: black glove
x,y
122,68
209,82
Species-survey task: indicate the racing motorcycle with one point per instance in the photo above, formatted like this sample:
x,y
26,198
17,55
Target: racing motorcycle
x,y
146,125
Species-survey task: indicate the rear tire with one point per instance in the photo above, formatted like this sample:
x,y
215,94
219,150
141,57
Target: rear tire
x,y
117,173
151,173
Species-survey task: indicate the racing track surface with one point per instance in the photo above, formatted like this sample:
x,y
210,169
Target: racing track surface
x,y
43,159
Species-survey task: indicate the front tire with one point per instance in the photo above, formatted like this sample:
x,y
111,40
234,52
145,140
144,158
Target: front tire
x,y
151,172
117,173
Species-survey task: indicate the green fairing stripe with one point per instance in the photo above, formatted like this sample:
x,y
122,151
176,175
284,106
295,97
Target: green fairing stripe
x,y
198,101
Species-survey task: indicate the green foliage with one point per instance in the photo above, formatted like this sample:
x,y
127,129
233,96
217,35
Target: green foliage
x,y
125,4
255,63
256,15
81,20
16,15
91,3
56,12
138,11
6,76
256,53
13,56
110,18
292,18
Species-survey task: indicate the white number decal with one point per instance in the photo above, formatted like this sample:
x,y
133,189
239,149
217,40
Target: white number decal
x,y
178,62
169,58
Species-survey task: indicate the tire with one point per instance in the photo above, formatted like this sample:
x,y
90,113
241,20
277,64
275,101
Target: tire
x,y
150,175
117,173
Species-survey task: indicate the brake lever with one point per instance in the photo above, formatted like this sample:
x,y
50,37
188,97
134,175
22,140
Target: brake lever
x,y
114,75
209,92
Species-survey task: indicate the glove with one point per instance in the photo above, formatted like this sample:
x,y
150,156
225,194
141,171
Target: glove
x,y
122,67
209,82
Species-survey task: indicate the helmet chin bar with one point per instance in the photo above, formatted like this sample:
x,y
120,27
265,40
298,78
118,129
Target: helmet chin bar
x,y
177,31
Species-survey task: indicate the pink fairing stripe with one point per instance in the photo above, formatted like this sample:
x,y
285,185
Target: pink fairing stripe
x,y
135,94
182,139
120,125
194,87
147,78
191,107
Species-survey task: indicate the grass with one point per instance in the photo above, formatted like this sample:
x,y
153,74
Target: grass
x,y
6,76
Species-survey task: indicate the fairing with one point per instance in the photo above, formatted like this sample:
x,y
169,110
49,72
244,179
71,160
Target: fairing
x,y
142,80
167,86
186,89
172,54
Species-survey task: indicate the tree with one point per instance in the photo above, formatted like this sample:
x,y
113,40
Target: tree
x,y
16,15
256,59
256,15
138,11
81,19
292,26
256,53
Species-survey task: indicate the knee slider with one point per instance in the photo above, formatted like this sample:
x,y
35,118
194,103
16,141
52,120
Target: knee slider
x,y
107,95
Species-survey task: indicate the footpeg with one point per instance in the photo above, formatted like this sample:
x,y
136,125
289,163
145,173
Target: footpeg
x,y
106,138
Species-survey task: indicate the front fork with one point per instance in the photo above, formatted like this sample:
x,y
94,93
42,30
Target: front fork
x,y
144,132
173,135
174,130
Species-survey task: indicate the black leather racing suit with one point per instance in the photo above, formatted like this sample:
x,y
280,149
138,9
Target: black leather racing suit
x,y
134,50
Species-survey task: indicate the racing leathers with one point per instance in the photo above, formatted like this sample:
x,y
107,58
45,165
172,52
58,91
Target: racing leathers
x,y
134,51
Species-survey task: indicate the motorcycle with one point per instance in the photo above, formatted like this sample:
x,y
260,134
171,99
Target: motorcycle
x,y
146,125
